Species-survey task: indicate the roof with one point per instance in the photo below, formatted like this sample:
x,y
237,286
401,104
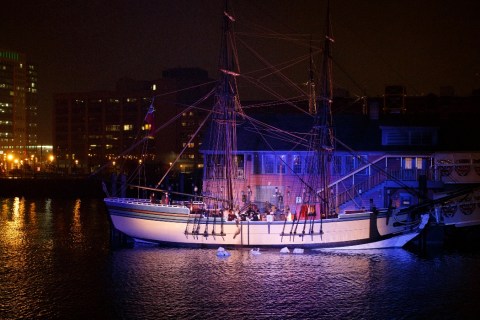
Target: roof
x,y
455,131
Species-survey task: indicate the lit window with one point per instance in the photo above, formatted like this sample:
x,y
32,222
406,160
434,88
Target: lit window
x,y
419,163
408,163
113,127
268,165
297,164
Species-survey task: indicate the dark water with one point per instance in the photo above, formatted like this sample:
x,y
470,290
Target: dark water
x,y
57,262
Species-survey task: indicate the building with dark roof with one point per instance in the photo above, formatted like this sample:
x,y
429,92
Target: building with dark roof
x,y
382,155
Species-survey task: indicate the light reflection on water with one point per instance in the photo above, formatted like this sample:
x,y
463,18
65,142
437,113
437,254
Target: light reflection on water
x,y
56,262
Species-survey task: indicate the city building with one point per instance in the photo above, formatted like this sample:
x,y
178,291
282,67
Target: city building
x,y
18,111
96,130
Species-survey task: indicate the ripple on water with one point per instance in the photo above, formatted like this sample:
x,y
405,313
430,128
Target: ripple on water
x,y
56,263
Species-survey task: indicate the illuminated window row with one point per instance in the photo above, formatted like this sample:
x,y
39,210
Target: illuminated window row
x,y
190,145
9,55
112,127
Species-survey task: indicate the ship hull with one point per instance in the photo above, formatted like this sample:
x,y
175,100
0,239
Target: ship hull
x,y
176,226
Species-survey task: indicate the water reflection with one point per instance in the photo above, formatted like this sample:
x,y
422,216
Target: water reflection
x,y
271,284
42,262
12,210
76,224
56,262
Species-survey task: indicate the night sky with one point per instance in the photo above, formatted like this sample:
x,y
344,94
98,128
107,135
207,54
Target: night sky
x,y
89,45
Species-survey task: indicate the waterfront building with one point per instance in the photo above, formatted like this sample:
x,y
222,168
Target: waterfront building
x,y
396,153
18,109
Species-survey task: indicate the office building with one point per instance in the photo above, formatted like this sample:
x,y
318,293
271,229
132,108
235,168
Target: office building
x,y
95,130
18,107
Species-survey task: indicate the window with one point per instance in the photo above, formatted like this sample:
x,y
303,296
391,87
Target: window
x,y
269,163
408,163
113,127
281,164
419,163
189,145
297,164
257,163
337,165
349,163
239,162
409,136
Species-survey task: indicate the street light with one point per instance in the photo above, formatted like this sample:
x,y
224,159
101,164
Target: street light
x,y
51,158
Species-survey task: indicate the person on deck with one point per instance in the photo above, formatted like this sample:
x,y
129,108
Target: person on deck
x,y
165,199
243,216
288,214
231,215
237,212
153,198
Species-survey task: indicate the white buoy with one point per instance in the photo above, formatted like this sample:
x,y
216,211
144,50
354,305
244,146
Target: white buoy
x,y
255,251
221,252
298,250
284,250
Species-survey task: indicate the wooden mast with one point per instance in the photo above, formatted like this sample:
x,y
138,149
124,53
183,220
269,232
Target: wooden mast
x,y
224,117
321,138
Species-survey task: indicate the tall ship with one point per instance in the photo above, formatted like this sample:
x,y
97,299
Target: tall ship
x,y
237,207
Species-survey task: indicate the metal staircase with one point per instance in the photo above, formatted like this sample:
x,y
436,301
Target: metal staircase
x,y
360,187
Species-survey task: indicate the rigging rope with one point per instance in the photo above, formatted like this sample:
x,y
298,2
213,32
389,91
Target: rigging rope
x,y
183,150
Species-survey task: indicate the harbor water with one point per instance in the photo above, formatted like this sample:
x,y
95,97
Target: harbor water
x,y
57,261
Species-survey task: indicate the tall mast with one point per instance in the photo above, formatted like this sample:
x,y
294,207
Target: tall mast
x,y
312,101
325,116
224,117
322,139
